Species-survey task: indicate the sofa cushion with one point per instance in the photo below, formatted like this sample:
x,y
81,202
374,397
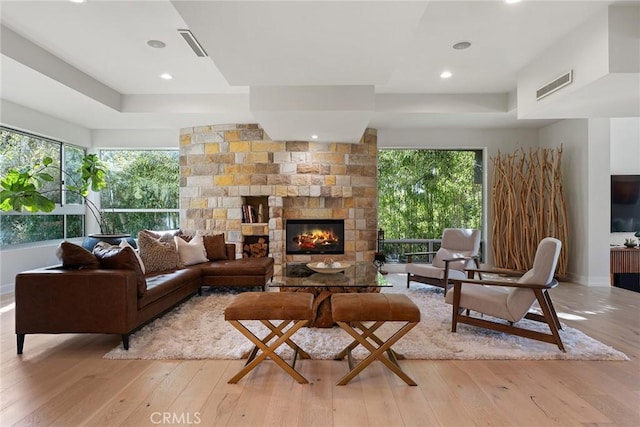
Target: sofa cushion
x,y
158,252
76,257
191,252
123,244
215,247
161,284
113,257
239,267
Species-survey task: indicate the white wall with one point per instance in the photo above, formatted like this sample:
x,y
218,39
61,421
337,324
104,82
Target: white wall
x,y
28,120
598,206
491,141
583,50
625,146
138,138
625,156
573,136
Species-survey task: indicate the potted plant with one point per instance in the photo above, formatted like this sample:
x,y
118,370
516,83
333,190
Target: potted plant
x,y
22,189
630,243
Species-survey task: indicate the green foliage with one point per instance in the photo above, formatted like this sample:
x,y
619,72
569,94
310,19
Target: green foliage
x,y
22,189
422,192
142,179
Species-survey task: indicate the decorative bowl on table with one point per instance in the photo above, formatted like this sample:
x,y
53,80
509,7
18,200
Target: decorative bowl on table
x,y
329,268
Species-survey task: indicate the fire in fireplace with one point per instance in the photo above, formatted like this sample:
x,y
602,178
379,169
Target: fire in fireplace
x,y
315,236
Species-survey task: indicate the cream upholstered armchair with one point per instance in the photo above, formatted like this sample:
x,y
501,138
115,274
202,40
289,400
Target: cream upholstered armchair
x,y
458,251
511,300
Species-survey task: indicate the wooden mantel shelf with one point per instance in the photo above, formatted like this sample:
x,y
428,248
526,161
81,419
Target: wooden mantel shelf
x,y
624,260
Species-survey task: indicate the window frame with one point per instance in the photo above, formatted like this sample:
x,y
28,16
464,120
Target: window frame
x,y
63,208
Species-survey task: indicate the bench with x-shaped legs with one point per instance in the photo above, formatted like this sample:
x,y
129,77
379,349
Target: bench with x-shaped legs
x,y
294,308
349,311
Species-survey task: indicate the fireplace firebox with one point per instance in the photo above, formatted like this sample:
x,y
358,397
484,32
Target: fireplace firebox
x,y
315,236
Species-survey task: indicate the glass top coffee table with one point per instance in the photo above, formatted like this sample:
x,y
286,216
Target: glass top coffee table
x,y
359,277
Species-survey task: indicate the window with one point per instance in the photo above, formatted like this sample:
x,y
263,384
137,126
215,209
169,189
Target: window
x,y
67,220
143,190
422,192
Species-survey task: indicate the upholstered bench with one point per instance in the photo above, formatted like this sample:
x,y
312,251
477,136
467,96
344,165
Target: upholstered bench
x,y
290,307
351,310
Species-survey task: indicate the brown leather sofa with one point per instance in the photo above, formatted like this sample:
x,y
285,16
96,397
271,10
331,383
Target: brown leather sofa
x,y
57,300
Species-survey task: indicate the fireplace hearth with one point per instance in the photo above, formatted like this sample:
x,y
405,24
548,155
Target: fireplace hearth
x,y
315,236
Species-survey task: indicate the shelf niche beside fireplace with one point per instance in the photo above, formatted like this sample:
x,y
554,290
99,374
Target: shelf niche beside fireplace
x,y
314,236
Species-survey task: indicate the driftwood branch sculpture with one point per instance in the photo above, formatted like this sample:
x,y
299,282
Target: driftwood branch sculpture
x,y
528,204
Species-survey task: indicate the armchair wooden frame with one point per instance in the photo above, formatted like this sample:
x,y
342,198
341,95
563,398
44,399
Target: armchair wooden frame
x,y
549,315
445,282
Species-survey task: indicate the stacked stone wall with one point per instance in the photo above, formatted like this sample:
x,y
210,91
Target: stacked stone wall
x,y
222,165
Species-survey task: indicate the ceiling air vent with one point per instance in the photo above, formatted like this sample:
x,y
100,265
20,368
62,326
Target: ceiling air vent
x,y
554,85
193,43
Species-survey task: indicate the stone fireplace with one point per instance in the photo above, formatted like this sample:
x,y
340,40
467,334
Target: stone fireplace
x,y
226,168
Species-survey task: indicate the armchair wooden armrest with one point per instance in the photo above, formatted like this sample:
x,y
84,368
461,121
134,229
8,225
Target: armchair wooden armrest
x,y
498,271
458,282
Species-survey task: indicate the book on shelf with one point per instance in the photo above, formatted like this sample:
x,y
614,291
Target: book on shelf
x,y
249,214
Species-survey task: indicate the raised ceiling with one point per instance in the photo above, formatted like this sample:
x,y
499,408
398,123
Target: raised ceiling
x,y
290,65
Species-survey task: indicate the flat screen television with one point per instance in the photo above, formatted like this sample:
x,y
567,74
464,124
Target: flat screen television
x,y
625,203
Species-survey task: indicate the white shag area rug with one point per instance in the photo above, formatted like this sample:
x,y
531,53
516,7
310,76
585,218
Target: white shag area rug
x,y
197,330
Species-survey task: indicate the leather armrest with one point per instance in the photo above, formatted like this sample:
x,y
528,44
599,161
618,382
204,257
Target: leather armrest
x,y
231,250
58,301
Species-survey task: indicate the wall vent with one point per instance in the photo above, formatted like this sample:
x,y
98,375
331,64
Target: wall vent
x,y
193,43
554,85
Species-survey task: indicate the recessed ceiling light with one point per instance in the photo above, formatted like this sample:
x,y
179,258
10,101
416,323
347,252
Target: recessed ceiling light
x,y
77,1
156,44
511,1
166,76
314,136
446,74
462,45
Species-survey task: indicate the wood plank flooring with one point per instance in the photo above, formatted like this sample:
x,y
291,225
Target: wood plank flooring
x,y
62,380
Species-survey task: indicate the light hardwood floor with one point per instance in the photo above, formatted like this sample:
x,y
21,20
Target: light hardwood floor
x,y
62,380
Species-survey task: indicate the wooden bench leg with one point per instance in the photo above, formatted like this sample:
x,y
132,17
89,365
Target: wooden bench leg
x,y
376,353
366,333
277,331
269,351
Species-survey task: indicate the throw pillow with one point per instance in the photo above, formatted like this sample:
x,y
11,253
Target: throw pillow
x,y
215,247
114,257
185,237
442,254
76,257
158,253
125,244
191,252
